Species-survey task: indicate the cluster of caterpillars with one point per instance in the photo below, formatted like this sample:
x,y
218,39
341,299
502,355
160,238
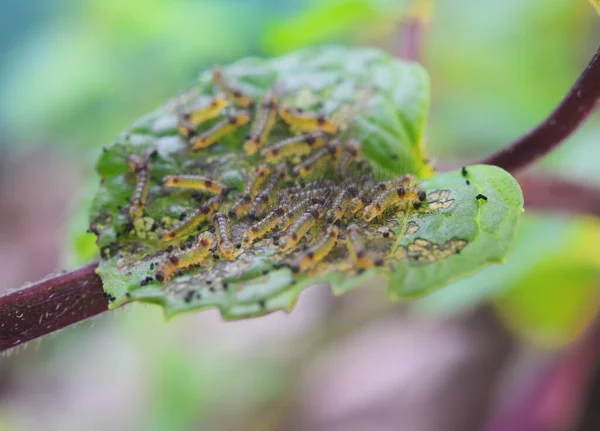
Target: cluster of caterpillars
x,y
309,193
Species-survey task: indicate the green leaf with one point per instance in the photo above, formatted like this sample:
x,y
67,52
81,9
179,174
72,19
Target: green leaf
x,y
468,220
596,5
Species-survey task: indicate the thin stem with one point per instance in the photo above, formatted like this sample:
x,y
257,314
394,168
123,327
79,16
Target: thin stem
x,y
553,194
580,102
413,31
49,305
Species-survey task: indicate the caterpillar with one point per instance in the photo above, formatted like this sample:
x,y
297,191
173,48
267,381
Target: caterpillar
x,y
349,154
356,249
260,203
297,210
300,227
197,182
389,197
223,234
263,227
234,94
192,220
407,180
306,166
222,128
207,112
341,204
262,126
184,259
319,251
242,204
296,146
141,169
307,121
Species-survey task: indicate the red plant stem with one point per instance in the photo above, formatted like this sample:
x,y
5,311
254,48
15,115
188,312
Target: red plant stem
x,y
50,305
559,195
412,39
580,102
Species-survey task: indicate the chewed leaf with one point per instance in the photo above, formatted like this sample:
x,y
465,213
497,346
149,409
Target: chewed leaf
x,y
270,176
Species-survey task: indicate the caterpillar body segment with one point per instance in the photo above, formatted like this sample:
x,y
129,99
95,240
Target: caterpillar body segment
x,y
225,244
243,203
389,197
296,146
319,251
222,128
263,125
340,205
240,206
321,194
186,128
297,210
193,219
307,121
197,182
300,227
361,257
261,202
183,259
263,227
236,95
207,112
312,185
310,163
137,203
349,154
407,181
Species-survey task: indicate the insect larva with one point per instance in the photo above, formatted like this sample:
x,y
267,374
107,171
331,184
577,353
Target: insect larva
x,y
323,193
296,146
242,205
185,128
193,219
197,182
222,128
300,227
222,231
359,255
319,251
306,166
349,154
407,180
263,227
307,121
184,259
296,211
312,185
390,197
235,94
207,112
340,205
262,126
260,203
141,169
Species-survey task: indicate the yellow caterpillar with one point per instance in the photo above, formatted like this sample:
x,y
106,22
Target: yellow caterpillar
x,y
222,128
319,251
184,259
262,127
235,94
192,220
307,121
197,182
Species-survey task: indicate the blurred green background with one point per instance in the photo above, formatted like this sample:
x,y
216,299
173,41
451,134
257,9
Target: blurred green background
x,y
73,74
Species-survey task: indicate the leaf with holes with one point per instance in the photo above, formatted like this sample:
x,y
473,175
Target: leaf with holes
x,y
269,176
